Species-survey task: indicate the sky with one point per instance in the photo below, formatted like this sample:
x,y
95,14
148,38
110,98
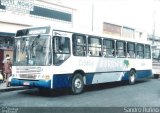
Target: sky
x,y
138,14
143,15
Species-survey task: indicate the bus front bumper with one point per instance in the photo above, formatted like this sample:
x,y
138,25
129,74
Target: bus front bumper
x,y
33,83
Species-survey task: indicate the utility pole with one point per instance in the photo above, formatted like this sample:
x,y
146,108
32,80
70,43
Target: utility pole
x,y
92,15
154,27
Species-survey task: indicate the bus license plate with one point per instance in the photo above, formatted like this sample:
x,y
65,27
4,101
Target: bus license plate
x,y
26,83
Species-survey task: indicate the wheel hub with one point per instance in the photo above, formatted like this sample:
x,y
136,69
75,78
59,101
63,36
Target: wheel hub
x,y
132,78
78,83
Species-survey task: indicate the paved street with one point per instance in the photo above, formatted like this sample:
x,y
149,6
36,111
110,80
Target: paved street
x,y
145,93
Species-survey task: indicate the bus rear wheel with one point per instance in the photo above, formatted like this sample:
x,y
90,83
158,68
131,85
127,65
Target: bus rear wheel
x,y
132,77
77,84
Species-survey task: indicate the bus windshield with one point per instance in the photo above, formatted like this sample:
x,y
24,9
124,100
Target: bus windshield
x,y
32,50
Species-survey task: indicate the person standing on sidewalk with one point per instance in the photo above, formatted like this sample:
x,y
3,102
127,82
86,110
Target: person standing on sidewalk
x,y
7,70
4,60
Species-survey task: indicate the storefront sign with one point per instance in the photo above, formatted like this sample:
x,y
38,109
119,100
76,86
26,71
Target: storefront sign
x,y
27,7
18,5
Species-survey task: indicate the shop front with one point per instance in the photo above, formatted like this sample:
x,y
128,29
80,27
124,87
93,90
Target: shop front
x,y
6,46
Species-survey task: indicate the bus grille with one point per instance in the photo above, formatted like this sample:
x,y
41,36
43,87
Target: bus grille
x,y
28,72
27,76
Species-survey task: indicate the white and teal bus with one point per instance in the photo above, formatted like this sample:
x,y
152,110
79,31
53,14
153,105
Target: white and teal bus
x,y
53,59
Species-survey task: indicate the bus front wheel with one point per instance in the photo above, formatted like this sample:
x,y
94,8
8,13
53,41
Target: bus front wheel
x,y
132,77
77,83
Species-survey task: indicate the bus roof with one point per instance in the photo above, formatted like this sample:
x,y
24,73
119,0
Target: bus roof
x,y
47,29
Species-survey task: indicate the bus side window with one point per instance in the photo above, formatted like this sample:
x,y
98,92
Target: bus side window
x,y
130,50
140,51
108,48
94,46
79,45
147,53
121,50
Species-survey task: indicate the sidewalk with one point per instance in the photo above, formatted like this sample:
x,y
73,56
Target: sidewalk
x,y
4,88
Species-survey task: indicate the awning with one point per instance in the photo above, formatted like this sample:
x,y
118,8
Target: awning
x,y
6,34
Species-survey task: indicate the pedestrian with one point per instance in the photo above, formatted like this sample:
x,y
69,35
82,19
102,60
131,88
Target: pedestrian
x,y
4,60
7,70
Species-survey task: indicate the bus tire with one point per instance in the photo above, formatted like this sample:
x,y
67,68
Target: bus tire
x,y
132,77
77,83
